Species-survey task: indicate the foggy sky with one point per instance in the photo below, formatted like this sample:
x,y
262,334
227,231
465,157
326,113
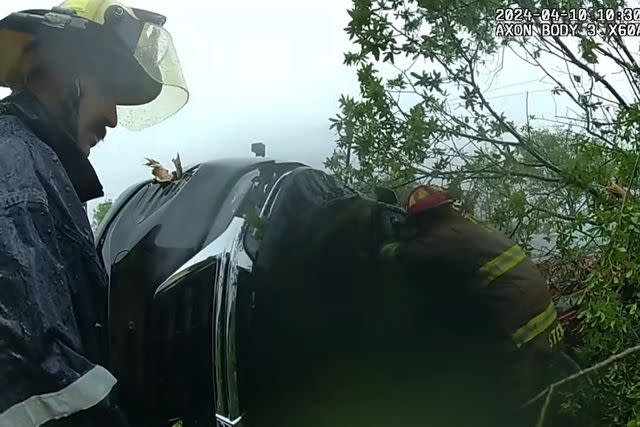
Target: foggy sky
x,y
264,71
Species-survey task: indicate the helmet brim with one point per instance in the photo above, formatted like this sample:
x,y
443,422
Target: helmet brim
x,y
120,75
141,72
114,67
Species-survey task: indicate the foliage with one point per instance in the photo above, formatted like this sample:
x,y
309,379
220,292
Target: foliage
x,y
256,222
99,212
416,59
610,316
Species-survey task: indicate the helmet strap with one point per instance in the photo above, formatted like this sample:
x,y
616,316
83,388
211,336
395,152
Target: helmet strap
x,y
66,112
70,109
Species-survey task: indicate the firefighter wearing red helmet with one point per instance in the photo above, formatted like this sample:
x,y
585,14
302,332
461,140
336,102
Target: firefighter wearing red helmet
x,y
486,306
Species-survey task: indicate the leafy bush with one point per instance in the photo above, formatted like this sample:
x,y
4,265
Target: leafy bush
x,y
424,114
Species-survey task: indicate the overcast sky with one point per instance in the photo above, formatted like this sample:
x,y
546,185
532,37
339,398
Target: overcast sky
x,y
256,71
262,71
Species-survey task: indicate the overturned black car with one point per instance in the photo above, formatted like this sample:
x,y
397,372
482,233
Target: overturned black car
x,y
229,285
250,293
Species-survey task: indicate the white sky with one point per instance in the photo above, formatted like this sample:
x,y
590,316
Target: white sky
x,y
256,71
262,71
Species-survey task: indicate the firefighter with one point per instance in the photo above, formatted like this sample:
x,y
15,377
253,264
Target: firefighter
x,y
486,310
73,71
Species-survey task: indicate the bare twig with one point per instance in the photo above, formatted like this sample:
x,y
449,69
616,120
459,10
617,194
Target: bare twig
x,y
483,139
548,392
591,72
553,214
625,49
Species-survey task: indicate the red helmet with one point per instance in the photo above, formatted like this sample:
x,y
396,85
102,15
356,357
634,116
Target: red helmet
x,y
426,197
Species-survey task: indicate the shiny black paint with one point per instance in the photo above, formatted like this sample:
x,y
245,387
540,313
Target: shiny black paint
x,y
149,233
187,271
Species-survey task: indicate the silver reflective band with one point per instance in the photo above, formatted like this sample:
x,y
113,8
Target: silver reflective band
x,y
85,392
227,422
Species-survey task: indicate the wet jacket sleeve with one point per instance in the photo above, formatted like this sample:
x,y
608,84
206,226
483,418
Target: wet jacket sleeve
x,y
441,260
44,377
443,268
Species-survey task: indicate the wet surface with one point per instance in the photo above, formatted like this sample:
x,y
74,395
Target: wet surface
x,y
151,231
52,283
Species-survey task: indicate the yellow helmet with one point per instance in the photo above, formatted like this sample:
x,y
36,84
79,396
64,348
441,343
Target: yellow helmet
x,y
133,54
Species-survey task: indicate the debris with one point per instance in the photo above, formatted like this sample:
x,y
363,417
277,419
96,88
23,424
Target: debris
x,y
617,190
178,164
160,173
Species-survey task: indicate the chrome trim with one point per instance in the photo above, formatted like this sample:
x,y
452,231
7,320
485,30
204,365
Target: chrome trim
x,y
207,255
237,259
250,238
219,335
273,194
227,422
228,252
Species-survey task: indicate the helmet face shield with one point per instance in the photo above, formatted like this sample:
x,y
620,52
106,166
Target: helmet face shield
x,y
127,50
156,54
152,48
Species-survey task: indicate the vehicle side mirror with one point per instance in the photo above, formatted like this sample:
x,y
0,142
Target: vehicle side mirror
x,y
386,195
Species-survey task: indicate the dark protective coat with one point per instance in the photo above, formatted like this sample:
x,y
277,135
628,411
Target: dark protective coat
x,y
485,312
52,283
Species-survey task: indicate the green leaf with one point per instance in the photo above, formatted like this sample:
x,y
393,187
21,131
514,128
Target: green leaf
x,y
588,46
100,212
254,220
550,170
375,51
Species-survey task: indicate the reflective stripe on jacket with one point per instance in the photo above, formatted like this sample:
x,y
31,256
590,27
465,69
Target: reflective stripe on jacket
x,y
52,293
501,265
482,267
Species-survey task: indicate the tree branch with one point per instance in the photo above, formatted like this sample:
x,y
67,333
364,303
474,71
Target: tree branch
x,y
548,392
505,174
575,61
491,140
